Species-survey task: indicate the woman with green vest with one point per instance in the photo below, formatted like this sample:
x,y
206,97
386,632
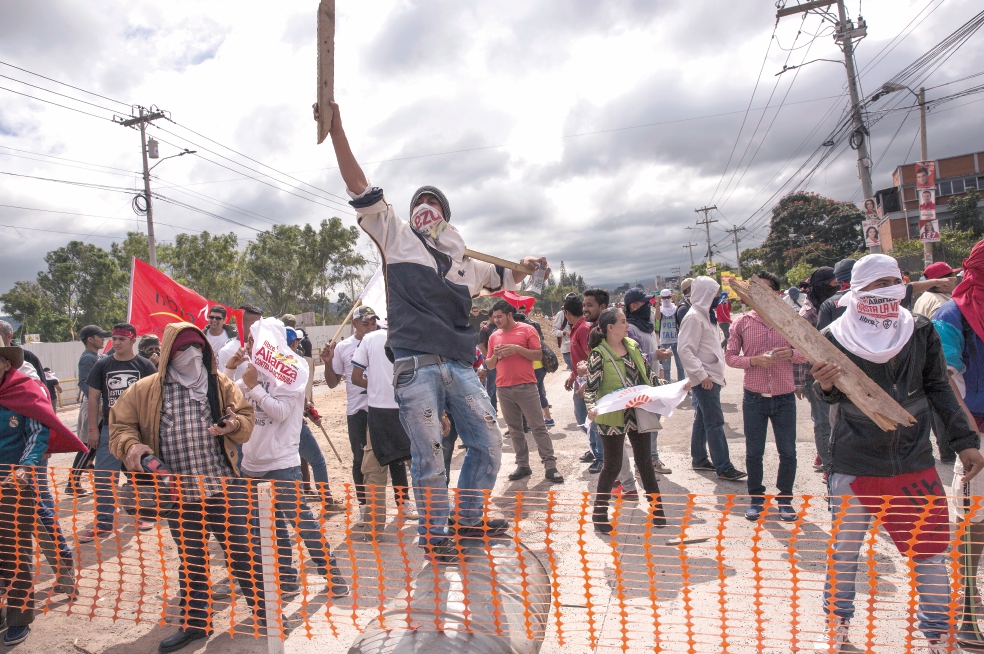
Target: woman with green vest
x,y
615,362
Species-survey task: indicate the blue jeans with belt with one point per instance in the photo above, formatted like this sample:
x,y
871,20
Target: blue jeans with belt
x,y
758,411
423,393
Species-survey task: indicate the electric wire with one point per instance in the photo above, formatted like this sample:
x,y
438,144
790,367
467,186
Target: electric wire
x,y
87,113
24,70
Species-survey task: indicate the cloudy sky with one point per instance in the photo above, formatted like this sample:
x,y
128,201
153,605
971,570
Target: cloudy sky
x,y
584,131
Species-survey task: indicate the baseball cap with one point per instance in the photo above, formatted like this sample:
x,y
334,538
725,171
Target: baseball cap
x,y
843,270
93,330
288,317
666,293
636,295
363,313
938,270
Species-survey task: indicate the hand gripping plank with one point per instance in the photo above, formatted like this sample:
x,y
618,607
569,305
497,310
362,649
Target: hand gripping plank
x,y
864,393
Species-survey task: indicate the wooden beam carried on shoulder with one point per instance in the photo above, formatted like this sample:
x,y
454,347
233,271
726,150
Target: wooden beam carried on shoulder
x,y
859,388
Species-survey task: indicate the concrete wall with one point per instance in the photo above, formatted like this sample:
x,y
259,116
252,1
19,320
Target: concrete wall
x,y
63,359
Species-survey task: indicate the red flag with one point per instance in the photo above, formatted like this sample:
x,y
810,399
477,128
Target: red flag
x,y
156,301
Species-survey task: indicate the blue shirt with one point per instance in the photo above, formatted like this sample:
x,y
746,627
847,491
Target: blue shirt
x,y
962,356
23,441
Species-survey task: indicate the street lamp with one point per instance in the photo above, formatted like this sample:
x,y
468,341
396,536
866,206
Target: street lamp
x,y
180,154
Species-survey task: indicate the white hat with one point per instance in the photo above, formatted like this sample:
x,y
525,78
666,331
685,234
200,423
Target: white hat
x,y
665,293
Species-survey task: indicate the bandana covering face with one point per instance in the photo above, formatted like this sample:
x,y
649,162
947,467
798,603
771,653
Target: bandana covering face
x,y
876,326
427,221
186,368
667,307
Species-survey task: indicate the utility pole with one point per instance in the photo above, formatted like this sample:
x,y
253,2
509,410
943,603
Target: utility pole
x,y
923,156
142,119
691,246
734,234
707,228
845,34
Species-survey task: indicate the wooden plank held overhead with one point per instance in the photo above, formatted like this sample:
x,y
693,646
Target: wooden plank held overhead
x,y
505,263
864,393
326,66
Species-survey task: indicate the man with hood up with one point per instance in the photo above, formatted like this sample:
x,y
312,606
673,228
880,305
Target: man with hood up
x,y
430,283
192,418
703,360
901,353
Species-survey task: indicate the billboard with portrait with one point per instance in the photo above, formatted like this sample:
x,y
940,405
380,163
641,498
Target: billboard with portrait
x,y
870,230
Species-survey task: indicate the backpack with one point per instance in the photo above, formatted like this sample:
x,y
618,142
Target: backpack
x,y
549,360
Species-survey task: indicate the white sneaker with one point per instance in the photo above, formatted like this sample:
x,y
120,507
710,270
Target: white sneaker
x,y
836,637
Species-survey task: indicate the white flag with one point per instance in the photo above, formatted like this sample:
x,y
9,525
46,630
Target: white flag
x,y
655,399
375,295
273,358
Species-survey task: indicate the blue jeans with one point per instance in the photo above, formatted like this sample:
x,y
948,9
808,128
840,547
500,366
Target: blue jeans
x,y
679,364
541,374
708,430
567,359
50,537
291,506
757,411
490,389
422,394
594,440
311,452
106,478
932,578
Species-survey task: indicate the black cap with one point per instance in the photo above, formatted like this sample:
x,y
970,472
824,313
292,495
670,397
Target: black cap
x,y
93,330
636,294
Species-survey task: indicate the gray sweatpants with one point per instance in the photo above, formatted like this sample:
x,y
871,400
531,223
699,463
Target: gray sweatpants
x,y
515,402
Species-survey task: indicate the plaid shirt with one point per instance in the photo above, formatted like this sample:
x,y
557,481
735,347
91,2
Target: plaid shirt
x,y
186,446
752,337
801,371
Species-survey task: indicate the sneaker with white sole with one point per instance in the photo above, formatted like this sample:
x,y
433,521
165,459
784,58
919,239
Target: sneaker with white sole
x,y
661,467
836,637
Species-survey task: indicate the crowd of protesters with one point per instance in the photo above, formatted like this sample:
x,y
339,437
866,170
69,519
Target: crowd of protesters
x,y
440,370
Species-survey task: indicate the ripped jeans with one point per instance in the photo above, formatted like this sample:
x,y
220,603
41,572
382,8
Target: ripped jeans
x,y
422,395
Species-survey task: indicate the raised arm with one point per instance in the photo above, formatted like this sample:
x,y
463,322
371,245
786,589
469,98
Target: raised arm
x,y
352,174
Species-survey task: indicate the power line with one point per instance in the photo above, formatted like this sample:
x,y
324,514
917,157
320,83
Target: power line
x,y
24,70
58,231
4,88
87,163
41,88
89,215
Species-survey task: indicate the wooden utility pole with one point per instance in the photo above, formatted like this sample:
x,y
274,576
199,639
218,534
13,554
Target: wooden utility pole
x,y
691,246
734,234
924,156
707,228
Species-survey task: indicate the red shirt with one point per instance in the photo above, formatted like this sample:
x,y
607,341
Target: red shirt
x,y
515,369
724,311
752,337
579,343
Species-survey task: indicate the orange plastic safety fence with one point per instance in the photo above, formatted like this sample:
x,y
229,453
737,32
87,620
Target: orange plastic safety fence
x,y
251,559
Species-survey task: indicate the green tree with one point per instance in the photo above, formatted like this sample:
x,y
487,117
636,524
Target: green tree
x,y
810,228
332,254
209,265
278,271
966,214
751,262
701,269
35,309
799,272
83,282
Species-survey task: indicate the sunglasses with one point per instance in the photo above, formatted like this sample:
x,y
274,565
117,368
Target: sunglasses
x,y
215,318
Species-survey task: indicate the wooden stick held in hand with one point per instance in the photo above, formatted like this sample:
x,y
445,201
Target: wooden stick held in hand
x,y
345,322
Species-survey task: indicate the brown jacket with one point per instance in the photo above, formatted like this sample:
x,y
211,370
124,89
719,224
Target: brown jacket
x,y
136,416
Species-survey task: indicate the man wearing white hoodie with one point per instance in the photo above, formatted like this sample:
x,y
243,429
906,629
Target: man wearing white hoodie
x,y
703,360
272,452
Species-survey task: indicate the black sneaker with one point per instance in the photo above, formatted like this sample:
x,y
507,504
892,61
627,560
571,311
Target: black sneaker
x,y
595,467
337,586
554,476
491,528
733,475
521,472
587,457
705,466
444,551
181,639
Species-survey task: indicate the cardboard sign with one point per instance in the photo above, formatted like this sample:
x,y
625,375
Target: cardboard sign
x,y
274,359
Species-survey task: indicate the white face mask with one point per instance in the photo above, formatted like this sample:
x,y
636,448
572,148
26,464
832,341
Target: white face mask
x,y
428,221
876,326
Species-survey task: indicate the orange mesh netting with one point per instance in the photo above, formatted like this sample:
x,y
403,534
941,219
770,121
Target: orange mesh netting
x,y
708,581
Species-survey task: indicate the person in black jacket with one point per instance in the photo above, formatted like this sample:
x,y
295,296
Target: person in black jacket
x,y
904,356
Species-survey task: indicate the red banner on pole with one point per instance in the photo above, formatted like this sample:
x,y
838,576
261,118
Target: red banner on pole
x,y
156,301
